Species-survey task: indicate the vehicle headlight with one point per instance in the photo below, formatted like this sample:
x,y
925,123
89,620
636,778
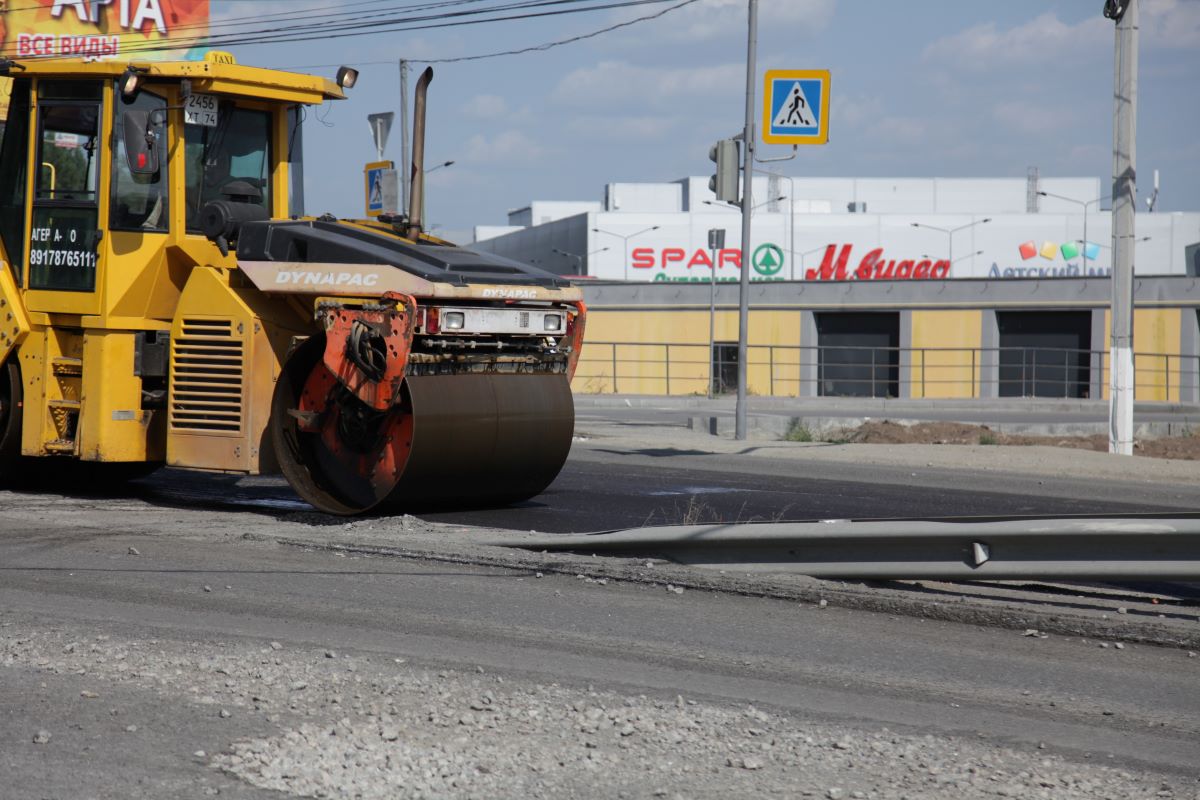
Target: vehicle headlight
x,y
452,321
553,322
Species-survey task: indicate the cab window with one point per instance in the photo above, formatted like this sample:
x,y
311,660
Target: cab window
x,y
222,159
68,156
139,202
64,235
13,159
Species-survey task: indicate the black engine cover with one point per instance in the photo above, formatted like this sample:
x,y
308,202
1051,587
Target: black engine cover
x,y
317,241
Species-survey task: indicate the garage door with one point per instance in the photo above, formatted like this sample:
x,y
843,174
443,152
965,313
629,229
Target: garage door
x,y
858,354
1045,353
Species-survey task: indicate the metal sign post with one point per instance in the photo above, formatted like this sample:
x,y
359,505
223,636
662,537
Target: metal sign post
x,y
747,212
716,243
381,126
795,111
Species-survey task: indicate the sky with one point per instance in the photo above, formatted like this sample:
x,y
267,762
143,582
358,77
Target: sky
x,y
931,88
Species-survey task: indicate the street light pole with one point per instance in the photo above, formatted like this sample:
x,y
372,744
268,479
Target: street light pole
x,y
1084,204
809,253
421,210
625,243
791,219
756,207
950,233
716,242
578,258
748,137
960,258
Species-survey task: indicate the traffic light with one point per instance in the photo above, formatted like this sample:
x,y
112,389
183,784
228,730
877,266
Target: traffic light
x,y
724,184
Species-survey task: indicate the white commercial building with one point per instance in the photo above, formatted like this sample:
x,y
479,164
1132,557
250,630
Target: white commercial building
x,y
845,229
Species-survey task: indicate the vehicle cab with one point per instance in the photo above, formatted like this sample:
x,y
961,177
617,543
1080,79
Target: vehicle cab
x,y
105,168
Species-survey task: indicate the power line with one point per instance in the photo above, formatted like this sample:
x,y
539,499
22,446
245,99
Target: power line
x,y
392,25
560,42
336,21
531,49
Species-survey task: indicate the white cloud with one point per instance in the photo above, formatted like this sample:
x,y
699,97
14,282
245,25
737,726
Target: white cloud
x,y
903,130
507,146
485,106
623,128
1088,154
1170,23
264,9
1042,39
1046,38
709,19
857,111
1029,118
629,83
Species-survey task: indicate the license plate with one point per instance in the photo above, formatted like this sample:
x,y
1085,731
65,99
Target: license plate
x,y
200,109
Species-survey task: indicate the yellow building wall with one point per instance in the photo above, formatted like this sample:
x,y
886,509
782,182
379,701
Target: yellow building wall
x,y
1155,331
950,368
666,352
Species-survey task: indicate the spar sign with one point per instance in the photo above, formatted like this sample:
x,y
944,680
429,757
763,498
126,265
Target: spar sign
x,y
766,261
103,29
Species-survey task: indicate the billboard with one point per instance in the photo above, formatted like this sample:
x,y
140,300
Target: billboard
x,y
864,247
103,29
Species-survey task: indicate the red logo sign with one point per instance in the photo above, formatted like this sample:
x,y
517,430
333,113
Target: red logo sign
x,y
874,267
649,257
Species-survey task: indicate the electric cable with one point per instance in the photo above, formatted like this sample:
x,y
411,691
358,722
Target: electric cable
x,y
393,24
521,51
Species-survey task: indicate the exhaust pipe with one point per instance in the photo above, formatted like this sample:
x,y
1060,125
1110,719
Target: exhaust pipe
x,y
416,200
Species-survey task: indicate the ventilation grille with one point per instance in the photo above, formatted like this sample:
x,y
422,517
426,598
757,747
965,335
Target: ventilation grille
x,y
206,377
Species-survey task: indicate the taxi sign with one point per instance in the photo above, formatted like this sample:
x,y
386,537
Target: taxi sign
x,y
796,106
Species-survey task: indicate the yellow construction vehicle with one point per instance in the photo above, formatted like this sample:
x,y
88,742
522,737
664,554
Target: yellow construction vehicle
x,y
163,301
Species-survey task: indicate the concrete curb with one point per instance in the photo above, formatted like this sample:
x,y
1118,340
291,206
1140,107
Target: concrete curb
x,y
778,426
959,602
876,406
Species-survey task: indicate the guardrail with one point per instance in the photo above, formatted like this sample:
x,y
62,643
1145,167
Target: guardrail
x,y
1093,549
917,372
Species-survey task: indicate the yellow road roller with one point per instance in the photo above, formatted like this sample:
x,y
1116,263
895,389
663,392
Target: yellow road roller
x,y
163,300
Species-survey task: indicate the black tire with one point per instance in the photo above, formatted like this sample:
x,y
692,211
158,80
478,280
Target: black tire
x,y
11,407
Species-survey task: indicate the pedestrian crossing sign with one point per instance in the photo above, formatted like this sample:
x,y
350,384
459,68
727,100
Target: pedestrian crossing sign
x,y
796,106
380,188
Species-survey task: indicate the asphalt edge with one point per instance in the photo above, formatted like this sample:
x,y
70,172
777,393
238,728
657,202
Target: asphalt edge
x,y
875,597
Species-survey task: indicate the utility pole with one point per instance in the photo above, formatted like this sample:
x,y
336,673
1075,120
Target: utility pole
x,y
405,168
747,214
1121,375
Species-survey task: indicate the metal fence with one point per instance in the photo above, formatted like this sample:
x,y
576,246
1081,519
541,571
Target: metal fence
x,y
840,371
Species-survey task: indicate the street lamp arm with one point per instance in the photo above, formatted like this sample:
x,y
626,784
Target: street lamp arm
x,y
931,227
1084,203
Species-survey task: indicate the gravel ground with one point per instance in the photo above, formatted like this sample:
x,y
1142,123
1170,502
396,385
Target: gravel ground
x,y
364,726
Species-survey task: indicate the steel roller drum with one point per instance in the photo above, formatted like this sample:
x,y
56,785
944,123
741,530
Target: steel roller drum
x,y
485,438
474,439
